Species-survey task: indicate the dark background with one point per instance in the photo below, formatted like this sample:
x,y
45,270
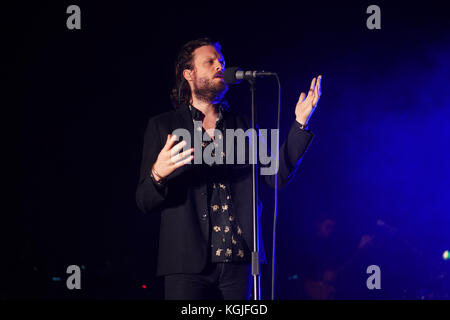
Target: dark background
x,y
79,102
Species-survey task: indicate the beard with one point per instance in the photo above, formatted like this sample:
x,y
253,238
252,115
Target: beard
x,y
208,90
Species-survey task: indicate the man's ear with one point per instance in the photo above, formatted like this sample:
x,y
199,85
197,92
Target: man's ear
x,y
187,74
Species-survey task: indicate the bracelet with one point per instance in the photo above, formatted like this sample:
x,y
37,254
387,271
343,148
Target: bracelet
x,y
159,183
155,173
302,126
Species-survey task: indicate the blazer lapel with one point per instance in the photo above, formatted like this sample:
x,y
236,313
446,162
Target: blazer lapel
x,y
183,120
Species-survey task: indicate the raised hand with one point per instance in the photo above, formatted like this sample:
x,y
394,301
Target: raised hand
x,y
307,103
170,159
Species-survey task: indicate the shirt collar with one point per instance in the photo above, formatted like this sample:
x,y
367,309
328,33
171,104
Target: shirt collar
x,y
197,115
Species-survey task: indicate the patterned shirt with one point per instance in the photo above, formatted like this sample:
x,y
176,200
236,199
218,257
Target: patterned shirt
x,y
227,242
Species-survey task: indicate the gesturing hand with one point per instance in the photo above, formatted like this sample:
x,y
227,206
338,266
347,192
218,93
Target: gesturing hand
x,y
170,159
307,103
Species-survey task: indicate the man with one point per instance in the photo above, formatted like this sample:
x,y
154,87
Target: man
x,y
206,209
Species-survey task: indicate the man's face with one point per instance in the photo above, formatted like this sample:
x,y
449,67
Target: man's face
x,y
207,81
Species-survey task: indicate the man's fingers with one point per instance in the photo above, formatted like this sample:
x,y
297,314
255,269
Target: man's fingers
x,y
181,155
313,85
320,84
318,88
302,97
170,141
177,148
183,162
317,91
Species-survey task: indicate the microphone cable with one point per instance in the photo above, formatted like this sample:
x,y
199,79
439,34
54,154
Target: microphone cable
x,y
277,150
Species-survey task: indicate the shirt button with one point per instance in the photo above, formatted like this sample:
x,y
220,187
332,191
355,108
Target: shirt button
x,y
204,216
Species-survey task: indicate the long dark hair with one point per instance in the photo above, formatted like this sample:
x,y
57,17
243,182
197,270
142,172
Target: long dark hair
x,y
181,92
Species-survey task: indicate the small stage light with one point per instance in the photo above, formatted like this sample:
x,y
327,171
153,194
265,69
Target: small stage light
x,y
446,255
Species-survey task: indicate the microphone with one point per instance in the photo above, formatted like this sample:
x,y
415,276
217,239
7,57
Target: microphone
x,y
235,75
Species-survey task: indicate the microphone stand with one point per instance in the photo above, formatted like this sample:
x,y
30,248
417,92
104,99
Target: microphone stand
x,y
255,252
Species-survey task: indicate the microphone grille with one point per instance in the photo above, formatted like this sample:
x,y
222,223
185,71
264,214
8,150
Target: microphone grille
x,y
229,75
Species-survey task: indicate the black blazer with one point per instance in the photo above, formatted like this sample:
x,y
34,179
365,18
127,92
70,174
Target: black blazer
x,y
182,203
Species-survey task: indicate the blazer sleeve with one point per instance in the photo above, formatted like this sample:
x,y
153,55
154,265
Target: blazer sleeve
x,y
149,195
290,156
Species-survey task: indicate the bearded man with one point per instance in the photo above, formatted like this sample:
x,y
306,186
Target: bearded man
x,y
206,209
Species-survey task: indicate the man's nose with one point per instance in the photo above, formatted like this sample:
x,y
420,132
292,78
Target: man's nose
x,y
219,66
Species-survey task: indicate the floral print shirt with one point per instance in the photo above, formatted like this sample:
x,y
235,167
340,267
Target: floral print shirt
x,y
227,242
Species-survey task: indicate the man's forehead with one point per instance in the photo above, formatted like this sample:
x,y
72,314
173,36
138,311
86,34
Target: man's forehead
x,y
207,51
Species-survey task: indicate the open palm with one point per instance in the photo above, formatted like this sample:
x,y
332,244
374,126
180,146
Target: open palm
x,y
307,103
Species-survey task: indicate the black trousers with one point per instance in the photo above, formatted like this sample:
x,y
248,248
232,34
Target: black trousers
x,y
219,281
